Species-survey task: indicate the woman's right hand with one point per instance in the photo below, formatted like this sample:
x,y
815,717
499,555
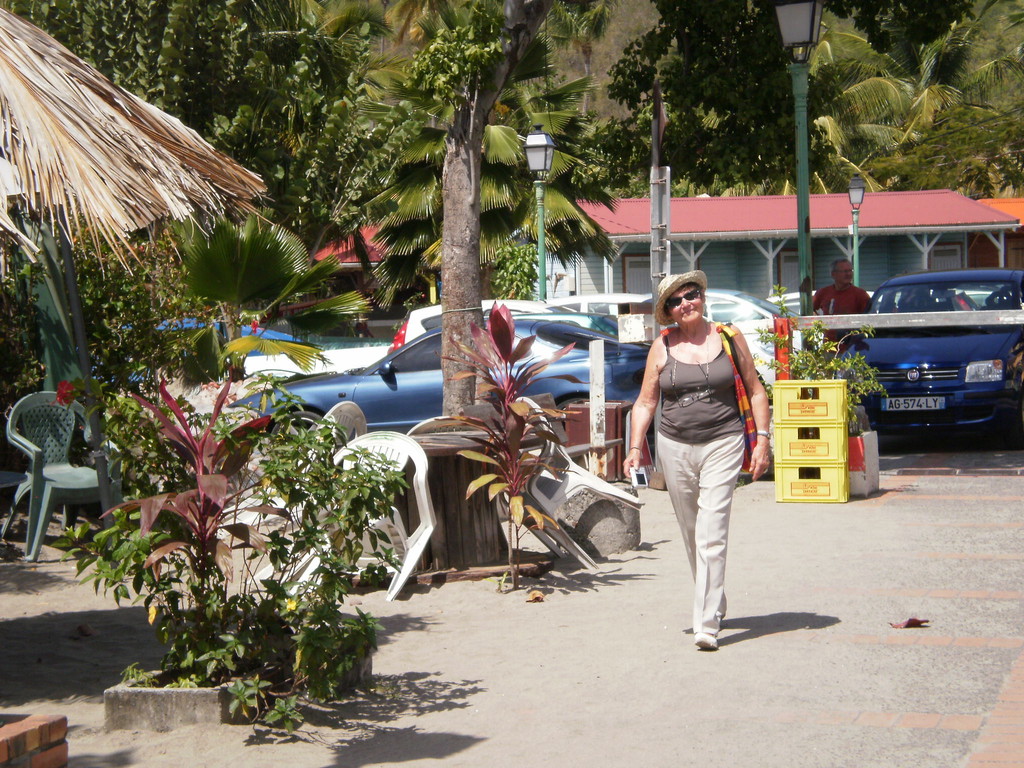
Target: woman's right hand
x,y
632,461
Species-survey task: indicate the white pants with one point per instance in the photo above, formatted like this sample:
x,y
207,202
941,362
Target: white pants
x,y
701,479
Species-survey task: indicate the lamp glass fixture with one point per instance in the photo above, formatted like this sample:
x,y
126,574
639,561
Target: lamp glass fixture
x,y
799,23
856,190
540,151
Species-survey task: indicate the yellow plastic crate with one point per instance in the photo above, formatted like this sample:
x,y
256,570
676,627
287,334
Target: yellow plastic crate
x,y
803,482
820,402
811,443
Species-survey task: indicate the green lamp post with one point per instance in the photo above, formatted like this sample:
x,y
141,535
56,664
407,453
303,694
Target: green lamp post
x,y
540,151
856,193
799,23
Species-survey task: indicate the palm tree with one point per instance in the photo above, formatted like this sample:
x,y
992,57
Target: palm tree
x,y
250,272
579,26
409,211
888,101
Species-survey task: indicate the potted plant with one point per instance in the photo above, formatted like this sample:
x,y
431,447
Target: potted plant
x,y
220,587
504,370
824,355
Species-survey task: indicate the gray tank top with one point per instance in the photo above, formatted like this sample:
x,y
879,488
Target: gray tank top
x,y
696,409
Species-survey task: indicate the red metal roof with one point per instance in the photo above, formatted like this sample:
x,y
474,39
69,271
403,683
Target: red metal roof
x,y
343,251
702,218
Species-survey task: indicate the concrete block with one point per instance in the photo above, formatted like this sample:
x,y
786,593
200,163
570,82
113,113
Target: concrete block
x,y
602,527
127,708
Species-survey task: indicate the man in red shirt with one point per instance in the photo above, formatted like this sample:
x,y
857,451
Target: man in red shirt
x,y
843,297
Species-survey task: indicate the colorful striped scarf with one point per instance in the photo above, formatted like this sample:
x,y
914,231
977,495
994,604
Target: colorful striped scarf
x,y
727,333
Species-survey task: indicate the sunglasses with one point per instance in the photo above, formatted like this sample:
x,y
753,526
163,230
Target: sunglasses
x,y
675,301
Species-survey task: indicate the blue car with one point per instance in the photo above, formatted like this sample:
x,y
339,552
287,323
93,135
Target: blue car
x,y
946,379
405,387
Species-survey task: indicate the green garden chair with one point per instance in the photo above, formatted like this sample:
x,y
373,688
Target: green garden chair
x,y
43,429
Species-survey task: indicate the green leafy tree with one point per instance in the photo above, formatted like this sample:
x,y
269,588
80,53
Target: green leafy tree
x,y
411,209
579,27
727,90
515,272
468,65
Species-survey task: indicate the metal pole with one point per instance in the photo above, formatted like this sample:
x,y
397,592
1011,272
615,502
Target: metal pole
x,y
798,72
542,256
81,342
856,246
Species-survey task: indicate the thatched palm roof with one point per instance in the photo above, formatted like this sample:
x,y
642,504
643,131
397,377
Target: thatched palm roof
x,y
82,144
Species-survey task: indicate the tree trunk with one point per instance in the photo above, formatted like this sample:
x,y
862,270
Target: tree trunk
x,y
460,248
460,240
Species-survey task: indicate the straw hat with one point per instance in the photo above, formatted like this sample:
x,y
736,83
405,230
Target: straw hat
x,y
672,283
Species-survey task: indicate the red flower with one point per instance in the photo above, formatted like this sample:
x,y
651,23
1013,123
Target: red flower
x,y
255,325
65,393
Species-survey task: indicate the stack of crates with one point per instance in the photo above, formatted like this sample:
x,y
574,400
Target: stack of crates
x,y
811,441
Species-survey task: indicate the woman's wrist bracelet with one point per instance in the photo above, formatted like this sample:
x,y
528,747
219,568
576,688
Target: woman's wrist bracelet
x,y
765,433
634,448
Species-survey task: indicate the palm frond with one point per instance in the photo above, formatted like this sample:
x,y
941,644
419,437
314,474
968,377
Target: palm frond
x,y
86,147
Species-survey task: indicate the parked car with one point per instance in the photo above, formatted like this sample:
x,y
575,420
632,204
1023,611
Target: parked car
x,y
601,303
960,378
406,386
423,319
722,305
606,324
342,355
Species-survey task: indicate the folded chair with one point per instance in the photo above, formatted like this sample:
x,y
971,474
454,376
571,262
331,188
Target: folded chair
x,y
42,429
550,488
402,451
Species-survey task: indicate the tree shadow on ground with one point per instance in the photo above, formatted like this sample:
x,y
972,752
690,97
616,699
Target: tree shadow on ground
x,y
393,626
358,729
772,624
17,576
78,654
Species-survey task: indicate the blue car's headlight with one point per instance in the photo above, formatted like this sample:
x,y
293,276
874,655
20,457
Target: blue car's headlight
x,y
984,370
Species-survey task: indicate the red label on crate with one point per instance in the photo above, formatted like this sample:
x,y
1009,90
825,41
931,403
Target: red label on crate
x,y
808,488
804,409
808,448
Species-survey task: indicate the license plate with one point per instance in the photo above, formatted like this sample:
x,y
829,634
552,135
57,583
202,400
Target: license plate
x,y
913,403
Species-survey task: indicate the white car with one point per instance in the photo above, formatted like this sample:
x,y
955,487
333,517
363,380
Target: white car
x,y
601,303
341,360
425,319
748,313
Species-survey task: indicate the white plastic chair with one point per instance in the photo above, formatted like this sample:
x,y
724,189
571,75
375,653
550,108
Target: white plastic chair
x,y
401,450
350,418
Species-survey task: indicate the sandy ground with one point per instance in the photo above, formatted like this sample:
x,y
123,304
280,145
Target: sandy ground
x,y
603,671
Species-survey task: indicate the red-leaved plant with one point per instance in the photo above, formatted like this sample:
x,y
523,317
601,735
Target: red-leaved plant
x,y
516,433
202,509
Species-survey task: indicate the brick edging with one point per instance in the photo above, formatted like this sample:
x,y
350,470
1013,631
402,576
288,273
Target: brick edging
x,y
33,741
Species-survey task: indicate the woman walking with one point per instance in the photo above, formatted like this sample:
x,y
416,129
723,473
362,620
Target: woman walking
x,y
714,421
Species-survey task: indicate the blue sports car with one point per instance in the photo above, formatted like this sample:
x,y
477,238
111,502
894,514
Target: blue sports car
x,y
405,387
948,378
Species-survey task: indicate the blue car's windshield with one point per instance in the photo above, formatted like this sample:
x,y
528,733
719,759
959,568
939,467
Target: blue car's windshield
x,y
957,296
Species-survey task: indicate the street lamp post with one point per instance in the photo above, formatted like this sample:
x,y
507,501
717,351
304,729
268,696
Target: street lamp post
x,y
540,150
856,192
799,24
